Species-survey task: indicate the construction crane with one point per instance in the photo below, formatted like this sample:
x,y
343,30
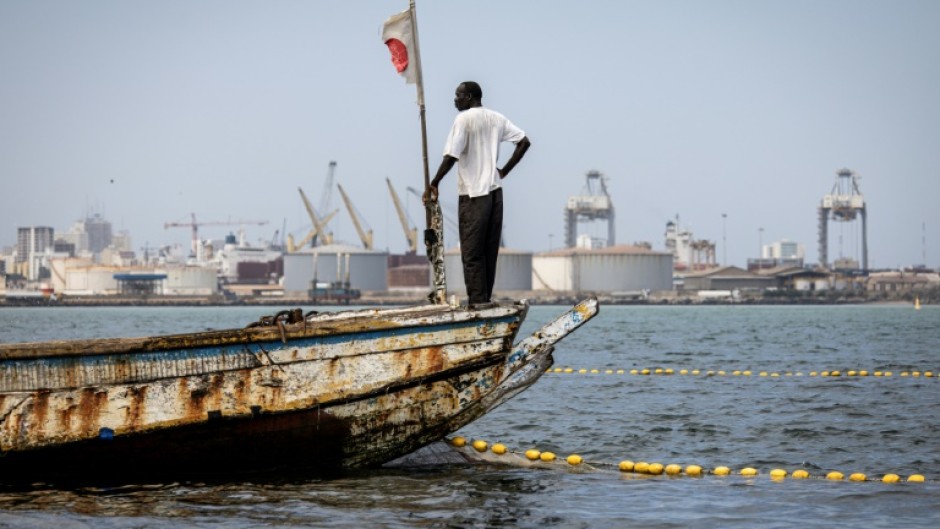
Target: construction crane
x,y
319,224
364,236
410,233
195,227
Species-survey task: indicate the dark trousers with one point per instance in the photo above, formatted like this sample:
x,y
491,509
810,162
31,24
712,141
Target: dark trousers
x,y
481,226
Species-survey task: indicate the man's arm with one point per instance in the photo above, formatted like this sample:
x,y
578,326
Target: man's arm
x,y
446,164
521,147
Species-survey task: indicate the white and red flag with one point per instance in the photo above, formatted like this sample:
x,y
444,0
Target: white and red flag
x,y
398,34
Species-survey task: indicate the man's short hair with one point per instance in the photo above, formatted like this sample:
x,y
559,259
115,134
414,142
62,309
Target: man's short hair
x,y
473,88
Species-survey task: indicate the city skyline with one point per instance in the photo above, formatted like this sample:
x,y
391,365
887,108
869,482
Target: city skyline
x,y
734,116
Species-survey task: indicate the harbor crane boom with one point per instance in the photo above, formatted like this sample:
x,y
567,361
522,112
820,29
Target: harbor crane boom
x,y
364,236
319,225
328,187
293,247
411,234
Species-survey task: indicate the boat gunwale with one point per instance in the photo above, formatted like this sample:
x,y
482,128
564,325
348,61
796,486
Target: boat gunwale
x,y
313,326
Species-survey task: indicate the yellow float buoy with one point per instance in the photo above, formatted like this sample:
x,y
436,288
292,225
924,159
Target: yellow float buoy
x,y
547,457
746,373
693,470
778,473
673,470
800,474
835,476
499,448
857,476
891,478
915,478
480,445
574,460
459,442
748,471
641,467
625,466
655,469
722,471
532,454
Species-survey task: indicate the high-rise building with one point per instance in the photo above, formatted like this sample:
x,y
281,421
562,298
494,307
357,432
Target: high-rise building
x,y
91,234
99,233
32,240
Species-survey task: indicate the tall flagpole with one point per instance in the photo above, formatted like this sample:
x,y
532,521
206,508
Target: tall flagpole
x,y
419,80
434,233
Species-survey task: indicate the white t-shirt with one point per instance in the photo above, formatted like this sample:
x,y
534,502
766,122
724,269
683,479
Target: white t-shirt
x,y
474,140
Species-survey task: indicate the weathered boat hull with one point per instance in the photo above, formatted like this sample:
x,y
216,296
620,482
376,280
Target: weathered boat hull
x,y
325,392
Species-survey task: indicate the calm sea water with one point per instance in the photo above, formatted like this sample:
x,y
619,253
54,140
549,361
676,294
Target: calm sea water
x,y
874,425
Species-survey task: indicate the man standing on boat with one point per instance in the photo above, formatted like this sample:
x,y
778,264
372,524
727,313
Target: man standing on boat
x,y
473,145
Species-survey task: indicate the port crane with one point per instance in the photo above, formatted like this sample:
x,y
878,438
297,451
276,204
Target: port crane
x,y
319,226
328,187
411,234
364,236
194,225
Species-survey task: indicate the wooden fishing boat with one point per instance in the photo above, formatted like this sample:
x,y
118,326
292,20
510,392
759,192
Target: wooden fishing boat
x,y
313,392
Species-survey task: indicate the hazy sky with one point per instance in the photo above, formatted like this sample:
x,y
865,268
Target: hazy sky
x,y
147,112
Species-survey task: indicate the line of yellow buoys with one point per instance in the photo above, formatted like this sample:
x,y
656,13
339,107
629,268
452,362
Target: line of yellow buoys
x,y
499,453
741,372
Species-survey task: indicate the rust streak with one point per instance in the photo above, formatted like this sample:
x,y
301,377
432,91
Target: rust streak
x,y
40,409
135,408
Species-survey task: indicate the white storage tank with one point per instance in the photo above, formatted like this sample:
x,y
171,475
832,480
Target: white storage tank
x,y
91,280
190,281
621,268
513,271
368,269
59,267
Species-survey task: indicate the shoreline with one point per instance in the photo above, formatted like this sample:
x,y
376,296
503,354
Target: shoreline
x,y
927,298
